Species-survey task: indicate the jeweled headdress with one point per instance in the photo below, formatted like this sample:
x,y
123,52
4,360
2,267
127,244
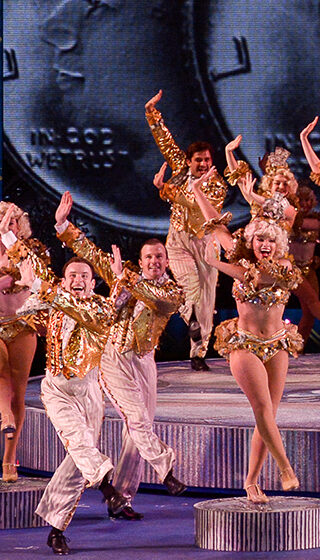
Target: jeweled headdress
x,y
276,160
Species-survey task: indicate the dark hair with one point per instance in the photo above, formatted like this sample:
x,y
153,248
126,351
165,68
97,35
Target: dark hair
x,y
199,147
153,241
77,260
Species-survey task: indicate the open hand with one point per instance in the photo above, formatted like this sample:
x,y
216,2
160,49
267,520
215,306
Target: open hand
x,y
158,179
64,208
5,222
27,274
115,260
309,128
234,144
196,185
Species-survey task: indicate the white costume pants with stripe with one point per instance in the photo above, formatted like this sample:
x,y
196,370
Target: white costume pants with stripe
x,y
75,407
130,382
197,279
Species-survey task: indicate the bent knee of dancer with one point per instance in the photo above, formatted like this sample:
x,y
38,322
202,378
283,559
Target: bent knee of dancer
x,y
138,425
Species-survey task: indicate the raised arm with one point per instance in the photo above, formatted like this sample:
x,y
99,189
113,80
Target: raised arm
x,y
173,155
310,154
229,149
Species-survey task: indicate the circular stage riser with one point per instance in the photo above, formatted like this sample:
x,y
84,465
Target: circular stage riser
x,y
18,502
237,525
207,456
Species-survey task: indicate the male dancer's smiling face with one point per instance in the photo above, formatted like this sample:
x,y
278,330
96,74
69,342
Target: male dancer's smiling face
x,y
200,163
78,279
153,261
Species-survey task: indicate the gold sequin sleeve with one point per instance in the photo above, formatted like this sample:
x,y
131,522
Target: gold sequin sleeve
x,y
173,155
83,247
172,193
212,224
22,250
164,299
282,275
315,177
239,173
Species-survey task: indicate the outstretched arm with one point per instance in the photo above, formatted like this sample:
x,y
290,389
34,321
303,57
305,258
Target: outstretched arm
x,y
310,154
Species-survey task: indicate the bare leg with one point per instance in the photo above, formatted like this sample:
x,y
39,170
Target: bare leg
x,y
254,378
276,371
20,355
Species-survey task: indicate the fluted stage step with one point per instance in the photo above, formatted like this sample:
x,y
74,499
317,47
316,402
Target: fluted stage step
x,y
18,502
234,524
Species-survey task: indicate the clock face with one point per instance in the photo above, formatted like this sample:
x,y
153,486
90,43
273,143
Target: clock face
x,y
257,65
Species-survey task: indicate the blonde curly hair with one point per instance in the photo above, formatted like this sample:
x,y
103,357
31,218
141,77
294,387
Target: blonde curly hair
x,y
22,218
266,228
265,185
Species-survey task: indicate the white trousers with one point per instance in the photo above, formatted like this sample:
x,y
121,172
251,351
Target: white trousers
x,y
130,383
197,279
76,408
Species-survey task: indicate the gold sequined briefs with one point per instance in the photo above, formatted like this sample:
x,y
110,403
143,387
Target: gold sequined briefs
x,y
230,337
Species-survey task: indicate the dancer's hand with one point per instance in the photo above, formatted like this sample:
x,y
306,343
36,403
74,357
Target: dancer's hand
x,y
64,208
234,144
150,105
27,274
115,260
309,128
158,179
5,222
196,185
247,187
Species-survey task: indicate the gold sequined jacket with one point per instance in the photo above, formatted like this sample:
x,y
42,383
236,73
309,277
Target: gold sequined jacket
x,y
185,212
142,319
92,317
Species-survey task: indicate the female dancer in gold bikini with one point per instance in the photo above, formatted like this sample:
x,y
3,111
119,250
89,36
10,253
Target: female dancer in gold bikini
x,y
257,343
17,343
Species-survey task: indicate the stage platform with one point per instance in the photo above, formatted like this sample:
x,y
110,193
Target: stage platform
x,y
206,418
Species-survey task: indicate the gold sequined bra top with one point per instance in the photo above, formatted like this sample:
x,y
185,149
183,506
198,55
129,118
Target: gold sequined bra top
x,y
277,293
266,296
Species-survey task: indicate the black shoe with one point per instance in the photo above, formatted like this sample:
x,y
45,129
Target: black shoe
x,y
174,486
199,364
127,513
58,542
116,502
